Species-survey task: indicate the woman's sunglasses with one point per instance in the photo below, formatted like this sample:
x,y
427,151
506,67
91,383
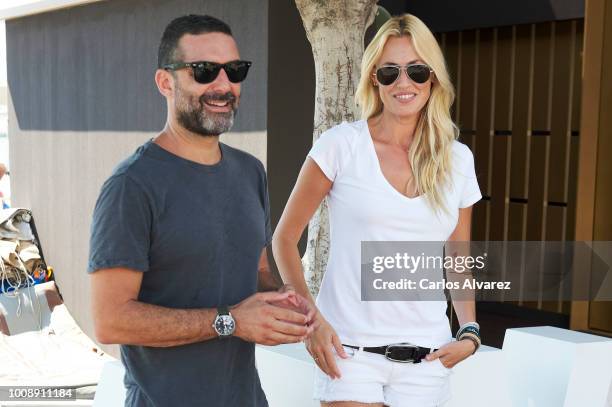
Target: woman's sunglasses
x,y
206,72
418,73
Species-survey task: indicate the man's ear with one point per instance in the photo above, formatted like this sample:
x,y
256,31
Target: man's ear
x,y
165,82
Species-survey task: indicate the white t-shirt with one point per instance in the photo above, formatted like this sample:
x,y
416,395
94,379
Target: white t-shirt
x,y
364,206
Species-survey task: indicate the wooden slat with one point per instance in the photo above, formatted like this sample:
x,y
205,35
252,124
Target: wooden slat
x,y
504,78
575,128
577,94
600,316
539,144
517,219
591,90
563,63
479,220
466,94
543,74
521,112
502,125
451,54
484,117
555,223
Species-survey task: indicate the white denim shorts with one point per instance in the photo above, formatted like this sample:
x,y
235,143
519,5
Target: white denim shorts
x,y
371,378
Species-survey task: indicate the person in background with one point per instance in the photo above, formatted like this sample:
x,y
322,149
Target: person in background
x,y
3,172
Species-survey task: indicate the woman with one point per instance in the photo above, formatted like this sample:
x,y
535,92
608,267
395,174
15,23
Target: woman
x,y
397,175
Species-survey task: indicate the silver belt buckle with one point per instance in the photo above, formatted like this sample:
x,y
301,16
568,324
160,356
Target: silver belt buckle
x,y
396,350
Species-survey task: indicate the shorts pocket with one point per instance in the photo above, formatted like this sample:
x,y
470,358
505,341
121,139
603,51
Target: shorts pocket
x,y
441,365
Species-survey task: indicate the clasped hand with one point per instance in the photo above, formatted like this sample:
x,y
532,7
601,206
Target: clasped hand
x,y
273,318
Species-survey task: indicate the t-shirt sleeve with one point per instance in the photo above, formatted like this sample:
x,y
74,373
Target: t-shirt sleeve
x,y
121,226
471,191
330,152
267,212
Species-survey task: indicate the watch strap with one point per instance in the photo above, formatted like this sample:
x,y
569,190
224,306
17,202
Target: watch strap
x,y
223,310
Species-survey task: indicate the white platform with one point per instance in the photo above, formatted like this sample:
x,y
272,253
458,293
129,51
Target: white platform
x,y
286,373
550,366
111,391
537,367
481,374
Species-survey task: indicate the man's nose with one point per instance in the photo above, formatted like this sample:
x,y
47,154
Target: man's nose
x,y
221,82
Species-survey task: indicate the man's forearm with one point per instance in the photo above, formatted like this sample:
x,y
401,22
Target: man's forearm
x,y
138,323
268,281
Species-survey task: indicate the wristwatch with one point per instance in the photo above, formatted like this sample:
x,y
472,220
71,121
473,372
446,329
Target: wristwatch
x,y
224,323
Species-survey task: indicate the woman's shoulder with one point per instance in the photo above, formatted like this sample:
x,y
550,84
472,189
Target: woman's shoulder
x,y
346,129
461,152
343,135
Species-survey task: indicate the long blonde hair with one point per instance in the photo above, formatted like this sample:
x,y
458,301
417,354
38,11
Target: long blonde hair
x,y
430,150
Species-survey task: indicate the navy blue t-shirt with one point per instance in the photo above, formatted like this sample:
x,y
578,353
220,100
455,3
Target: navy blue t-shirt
x,y
196,232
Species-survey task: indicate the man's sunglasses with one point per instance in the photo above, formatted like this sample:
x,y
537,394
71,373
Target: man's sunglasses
x,y
206,72
418,73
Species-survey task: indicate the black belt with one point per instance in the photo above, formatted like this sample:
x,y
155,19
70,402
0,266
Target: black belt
x,y
399,352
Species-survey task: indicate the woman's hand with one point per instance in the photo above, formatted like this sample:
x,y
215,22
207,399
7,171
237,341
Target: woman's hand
x,y
296,302
453,352
321,345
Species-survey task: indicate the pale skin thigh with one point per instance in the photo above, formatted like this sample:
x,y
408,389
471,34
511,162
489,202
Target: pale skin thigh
x,y
392,133
118,315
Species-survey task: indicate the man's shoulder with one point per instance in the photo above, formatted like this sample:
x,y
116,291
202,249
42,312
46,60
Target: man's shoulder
x,y
136,166
243,159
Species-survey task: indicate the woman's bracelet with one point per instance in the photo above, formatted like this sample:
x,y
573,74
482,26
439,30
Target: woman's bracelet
x,y
470,331
473,338
469,327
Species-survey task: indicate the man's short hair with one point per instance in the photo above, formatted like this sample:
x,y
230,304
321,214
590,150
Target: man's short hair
x,y
191,24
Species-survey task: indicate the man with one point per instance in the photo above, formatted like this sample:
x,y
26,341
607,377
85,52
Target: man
x,y
179,233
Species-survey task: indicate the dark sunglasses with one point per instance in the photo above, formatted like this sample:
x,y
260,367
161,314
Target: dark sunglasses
x,y
206,72
418,73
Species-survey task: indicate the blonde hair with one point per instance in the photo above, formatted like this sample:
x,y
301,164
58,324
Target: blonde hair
x,y
430,150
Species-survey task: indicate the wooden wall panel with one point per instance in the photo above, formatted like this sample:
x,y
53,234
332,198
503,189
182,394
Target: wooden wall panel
x,y
518,107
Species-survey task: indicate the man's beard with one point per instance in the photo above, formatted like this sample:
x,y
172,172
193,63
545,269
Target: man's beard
x,y
193,116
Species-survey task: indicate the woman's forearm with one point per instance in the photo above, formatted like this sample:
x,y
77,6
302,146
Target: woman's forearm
x,y
289,263
465,310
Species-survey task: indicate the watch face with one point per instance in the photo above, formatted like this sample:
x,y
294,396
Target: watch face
x,y
224,325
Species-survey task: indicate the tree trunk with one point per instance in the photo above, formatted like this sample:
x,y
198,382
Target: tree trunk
x,y
335,29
